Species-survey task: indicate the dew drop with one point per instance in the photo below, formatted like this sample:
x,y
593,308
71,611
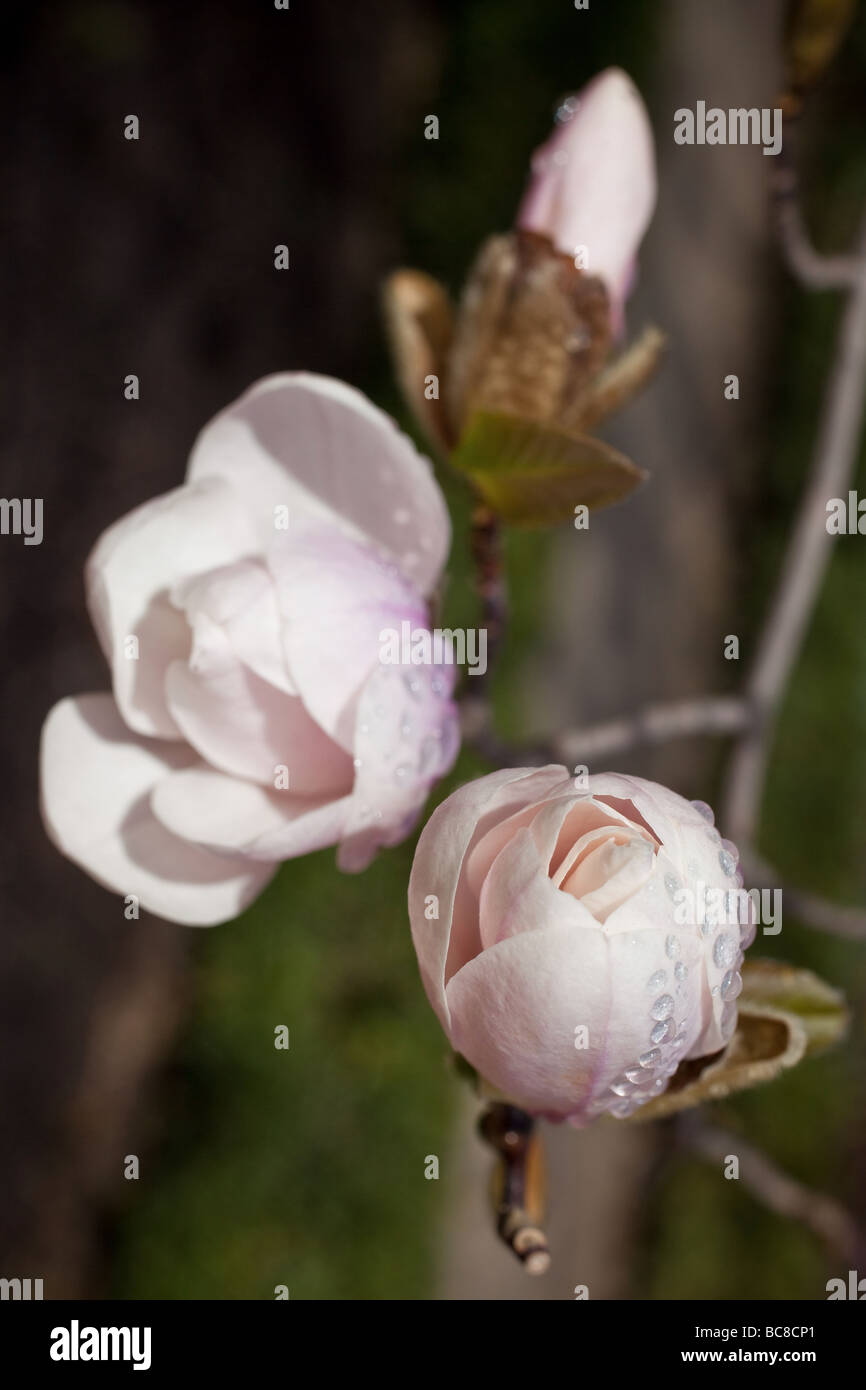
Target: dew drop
x,y
680,970
662,1032
724,951
728,862
672,883
705,811
649,1059
728,1020
656,980
672,947
732,985
663,1007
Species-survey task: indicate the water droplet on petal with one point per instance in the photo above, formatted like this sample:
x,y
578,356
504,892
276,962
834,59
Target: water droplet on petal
x,y
566,110
662,1032
728,862
728,1020
663,1007
732,985
724,951
705,811
672,883
656,980
672,947
649,1059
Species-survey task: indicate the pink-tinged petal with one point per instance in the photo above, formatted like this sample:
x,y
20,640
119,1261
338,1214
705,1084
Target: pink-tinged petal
x,y
593,182
321,449
407,736
130,574
242,600
518,895
444,942
514,1010
652,1019
699,857
245,726
544,818
228,814
615,866
97,778
336,597
575,813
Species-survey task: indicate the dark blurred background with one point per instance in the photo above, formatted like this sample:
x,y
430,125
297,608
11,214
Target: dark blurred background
x,y
155,257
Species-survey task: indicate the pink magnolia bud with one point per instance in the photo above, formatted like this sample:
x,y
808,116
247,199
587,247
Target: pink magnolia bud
x,y
577,945
593,184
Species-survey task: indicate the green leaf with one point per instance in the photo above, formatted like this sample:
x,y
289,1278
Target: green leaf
x,y
532,474
784,1015
821,1009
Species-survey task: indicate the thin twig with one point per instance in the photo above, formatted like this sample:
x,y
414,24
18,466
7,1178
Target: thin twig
x,y
706,714
817,912
518,1201
486,546
822,1215
806,561
810,267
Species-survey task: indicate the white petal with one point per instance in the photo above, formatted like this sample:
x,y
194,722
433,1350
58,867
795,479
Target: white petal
x,y
245,726
227,813
241,598
320,448
96,785
406,738
336,598
129,575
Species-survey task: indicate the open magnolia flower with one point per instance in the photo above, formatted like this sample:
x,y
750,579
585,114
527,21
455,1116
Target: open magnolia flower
x,y
251,719
575,943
